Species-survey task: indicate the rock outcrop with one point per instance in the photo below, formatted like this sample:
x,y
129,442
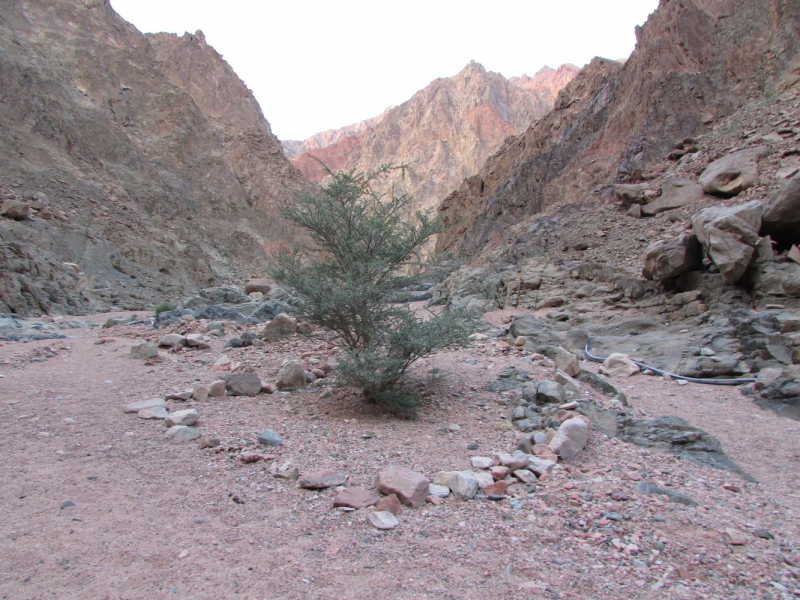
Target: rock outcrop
x,y
613,122
445,132
147,164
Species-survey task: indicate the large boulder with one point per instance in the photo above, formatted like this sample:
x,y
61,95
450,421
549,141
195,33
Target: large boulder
x,y
619,365
411,488
258,285
781,220
729,236
12,209
669,258
630,194
734,173
280,327
675,192
570,438
242,384
291,376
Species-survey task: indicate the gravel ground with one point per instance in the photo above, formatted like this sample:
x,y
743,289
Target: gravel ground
x,y
152,519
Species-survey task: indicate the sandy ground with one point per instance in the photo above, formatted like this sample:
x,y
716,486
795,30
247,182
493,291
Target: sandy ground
x,y
153,519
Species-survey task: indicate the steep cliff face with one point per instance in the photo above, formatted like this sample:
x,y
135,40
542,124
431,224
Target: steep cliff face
x,y
445,132
695,62
148,162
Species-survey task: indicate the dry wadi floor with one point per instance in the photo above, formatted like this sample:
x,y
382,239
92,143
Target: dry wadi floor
x,y
98,504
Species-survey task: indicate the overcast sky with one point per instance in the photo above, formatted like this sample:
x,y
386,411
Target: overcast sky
x,y
320,64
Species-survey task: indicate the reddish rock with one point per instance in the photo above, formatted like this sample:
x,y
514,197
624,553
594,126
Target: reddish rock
x,y
546,452
498,472
410,487
390,503
356,498
498,488
435,500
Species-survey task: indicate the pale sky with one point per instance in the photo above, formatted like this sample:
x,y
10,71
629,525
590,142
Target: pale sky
x,y
321,64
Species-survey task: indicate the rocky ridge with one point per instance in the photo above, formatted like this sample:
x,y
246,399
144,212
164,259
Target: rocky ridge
x,y
144,166
613,122
445,131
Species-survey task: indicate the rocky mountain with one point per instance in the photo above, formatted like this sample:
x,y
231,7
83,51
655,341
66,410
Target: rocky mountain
x,y
294,148
614,121
140,166
445,131
654,211
547,82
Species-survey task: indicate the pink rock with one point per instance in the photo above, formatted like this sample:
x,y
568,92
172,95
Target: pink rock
x,y
249,457
435,500
498,473
410,487
390,503
217,389
356,498
544,451
498,488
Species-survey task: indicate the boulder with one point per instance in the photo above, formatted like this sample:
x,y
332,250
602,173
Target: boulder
x,y
262,286
734,173
217,389
268,437
323,480
567,362
281,326
173,340
181,433
382,519
391,504
186,417
464,485
781,219
675,192
515,461
357,498
144,350
150,414
135,407
570,438
619,365
630,194
410,487
242,384
13,209
729,236
292,375
550,392
669,258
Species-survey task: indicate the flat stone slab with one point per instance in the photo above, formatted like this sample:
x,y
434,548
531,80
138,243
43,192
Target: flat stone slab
x,y
181,433
156,413
321,481
382,519
357,498
135,407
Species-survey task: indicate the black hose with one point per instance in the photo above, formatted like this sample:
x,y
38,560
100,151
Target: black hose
x,y
707,381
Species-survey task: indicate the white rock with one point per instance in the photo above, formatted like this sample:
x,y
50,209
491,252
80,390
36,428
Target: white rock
x,y
186,417
482,462
464,485
180,433
442,491
135,407
570,438
619,365
382,519
515,461
155,413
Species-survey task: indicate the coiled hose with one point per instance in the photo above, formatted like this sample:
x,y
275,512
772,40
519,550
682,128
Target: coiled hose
x,y
707,381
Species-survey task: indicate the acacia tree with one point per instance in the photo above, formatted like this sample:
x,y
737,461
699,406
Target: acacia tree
x,y
353,281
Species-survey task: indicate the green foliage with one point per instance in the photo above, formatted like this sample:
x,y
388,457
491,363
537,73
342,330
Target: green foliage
x,y
164,307
350,283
